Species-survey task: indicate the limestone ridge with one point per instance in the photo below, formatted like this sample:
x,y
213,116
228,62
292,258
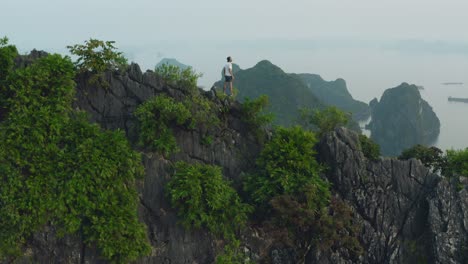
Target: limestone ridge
x,y
402,119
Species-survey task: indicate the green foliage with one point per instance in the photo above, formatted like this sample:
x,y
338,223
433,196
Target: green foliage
x,y
457,163
232,254
202,110
287,165
324,121
204,199
253,114
370,149
431,157
98,56
7,55
155,117
181,78
58,169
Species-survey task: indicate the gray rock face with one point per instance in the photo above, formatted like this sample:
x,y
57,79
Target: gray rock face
x,y
402,119
408,214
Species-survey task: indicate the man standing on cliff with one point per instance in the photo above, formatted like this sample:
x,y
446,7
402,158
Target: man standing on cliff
x,y
228,75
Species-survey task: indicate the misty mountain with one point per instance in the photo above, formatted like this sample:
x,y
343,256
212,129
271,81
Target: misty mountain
x,y
402,119
172,61
335,93
287,94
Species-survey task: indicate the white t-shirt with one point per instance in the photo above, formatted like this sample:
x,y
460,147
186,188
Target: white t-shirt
x,y
226,69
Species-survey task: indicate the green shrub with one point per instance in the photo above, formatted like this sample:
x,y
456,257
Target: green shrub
x,y
204,199
324,121
457,163
431,157
156,116
287,165
254,115
202,109
97,56
7,55
369,148
181,78
58,169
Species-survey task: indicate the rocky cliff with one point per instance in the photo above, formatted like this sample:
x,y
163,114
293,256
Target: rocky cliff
x,y
402,119
406,213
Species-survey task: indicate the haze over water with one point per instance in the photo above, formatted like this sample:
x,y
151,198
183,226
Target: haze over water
x,y
373,45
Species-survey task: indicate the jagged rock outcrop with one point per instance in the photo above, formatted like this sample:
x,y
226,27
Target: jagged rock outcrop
x,y
402,119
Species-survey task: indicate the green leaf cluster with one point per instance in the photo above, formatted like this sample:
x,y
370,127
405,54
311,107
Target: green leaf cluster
x,y
156,116
7,55
456,163
97,56
204,199
326,120
287,165
431,157
370,149
175,76
253,113
58,169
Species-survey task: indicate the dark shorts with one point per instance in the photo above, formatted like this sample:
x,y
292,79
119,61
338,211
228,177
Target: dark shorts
x,y
227,78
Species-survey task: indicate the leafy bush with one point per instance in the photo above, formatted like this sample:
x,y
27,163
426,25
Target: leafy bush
x,y
97,56
324,121
370,149
457,163
287,165
58,169
431,157
7,55
155,118
254,115
204,199
182,78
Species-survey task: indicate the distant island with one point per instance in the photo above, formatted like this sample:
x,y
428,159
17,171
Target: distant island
x,y
452,83
456,99
420,87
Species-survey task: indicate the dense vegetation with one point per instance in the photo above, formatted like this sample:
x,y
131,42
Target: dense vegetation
x,y
57,169
155,117
204,199
287,165
369,148
160,114
453,163
97,56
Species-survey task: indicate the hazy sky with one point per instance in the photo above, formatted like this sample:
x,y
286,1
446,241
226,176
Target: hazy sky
x,y
370,43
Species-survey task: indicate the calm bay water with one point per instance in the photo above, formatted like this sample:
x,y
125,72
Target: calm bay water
x,y
453,115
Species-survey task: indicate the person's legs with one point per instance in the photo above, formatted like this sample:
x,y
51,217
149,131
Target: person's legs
x,y
230,84
224,88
